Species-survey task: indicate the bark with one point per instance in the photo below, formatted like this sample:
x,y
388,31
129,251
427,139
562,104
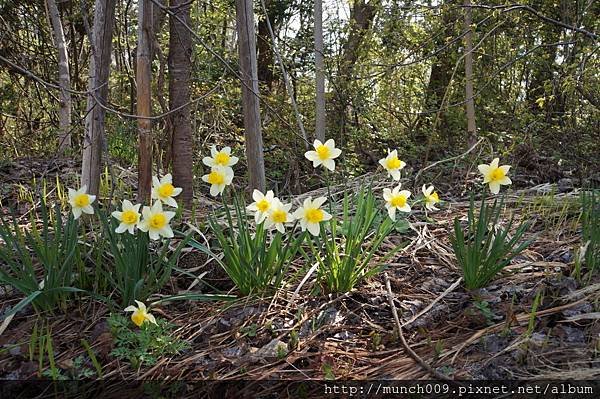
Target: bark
x,y
264,46
64,80
362,15
250,103
320,115
470,101
439,79
144,99
180,66
93,140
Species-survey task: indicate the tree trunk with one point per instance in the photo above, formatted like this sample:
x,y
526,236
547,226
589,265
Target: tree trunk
x,y
436,120
264,47
180,66
470,101
249,75
144,99
64,80
362,15
320,115
93,140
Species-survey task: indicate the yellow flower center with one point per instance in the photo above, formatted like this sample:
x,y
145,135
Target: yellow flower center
x,y
158,221
279,216
222,159
398,201
433,197
393,163
262,205
323,152
81,200
215,177
138,317
166,190
129,216
314,215
497,174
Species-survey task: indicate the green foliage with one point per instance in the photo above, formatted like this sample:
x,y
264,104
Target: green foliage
x,y
40,262
255,260
347,256
136,267
485,247
590,230
143,346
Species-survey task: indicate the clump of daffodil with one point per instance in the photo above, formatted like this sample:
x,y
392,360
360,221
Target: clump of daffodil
x,y
156,221
218,178
311,215
261,205
81,201
431,197
495,175
220,157
279,215
129,216
140,314
392,164
164,191
324,154
396,199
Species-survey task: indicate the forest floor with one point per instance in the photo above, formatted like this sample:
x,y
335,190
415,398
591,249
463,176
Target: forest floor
x,y
535,321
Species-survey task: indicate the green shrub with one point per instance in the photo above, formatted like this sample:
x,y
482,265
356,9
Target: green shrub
x,y
143,346
41,262
347,255
136,267
255,260
485,247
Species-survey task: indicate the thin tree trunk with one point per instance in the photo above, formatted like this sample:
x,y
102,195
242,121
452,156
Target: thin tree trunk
x,y
93,140
362,15
180,67
470,101
64,80
144,99
264,45
250,105
320,121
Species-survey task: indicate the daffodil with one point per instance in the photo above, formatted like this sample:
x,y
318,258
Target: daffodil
x,y
140,314
324,154
311,215
219,177
495,175
164,191
261,205
81,201
392,164
396,200
220,157
156,221
129,217
279,215
431,197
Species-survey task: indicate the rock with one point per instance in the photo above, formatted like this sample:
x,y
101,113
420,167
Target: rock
x,y
274,349
564,185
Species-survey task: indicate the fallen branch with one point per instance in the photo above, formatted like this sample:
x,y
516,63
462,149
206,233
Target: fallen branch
x,y
408,349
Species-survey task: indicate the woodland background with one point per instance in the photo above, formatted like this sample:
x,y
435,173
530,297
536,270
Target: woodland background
x,y
92,79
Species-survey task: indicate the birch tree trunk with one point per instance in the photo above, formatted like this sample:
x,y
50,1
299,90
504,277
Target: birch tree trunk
x,y
470,101
320,121
250,104
93,140
144,104
180,67
64,80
